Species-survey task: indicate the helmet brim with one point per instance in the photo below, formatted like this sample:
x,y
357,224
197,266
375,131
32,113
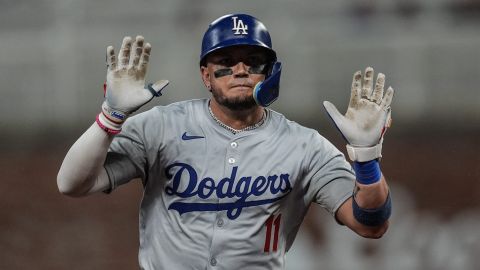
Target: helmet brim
x,y
272,56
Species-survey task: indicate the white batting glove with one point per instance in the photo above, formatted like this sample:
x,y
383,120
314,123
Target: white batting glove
x,y
125,90
367,116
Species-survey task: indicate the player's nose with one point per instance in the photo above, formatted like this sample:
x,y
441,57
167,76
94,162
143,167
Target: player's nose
x,y
240,70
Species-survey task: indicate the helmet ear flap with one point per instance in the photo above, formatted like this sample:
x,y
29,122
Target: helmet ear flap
x,y
266,92
269,69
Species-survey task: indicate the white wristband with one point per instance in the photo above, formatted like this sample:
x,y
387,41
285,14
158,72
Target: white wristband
x,y
363,154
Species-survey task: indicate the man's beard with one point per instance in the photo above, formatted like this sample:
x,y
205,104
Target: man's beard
x,y
236,103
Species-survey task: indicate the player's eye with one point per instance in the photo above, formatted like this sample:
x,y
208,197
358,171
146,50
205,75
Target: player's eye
x,y
258,69
225,61
257,64
255,60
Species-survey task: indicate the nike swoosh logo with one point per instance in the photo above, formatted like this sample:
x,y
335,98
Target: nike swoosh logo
x,y
186,137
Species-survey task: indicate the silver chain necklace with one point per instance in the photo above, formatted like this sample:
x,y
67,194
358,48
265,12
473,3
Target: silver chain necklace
x,y
235,131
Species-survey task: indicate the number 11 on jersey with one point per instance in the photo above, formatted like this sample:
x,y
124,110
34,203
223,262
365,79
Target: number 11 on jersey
x,y
272,221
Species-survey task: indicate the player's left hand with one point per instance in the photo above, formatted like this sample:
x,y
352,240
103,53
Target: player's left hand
x,y
367,116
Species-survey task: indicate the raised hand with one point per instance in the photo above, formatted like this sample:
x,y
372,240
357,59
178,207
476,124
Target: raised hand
x,y
125,90
367,116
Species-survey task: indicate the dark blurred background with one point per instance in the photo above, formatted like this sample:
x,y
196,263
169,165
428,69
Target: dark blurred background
x,y
52,67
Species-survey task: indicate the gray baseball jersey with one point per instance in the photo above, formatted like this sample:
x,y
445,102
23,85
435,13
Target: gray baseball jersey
x,y
217,200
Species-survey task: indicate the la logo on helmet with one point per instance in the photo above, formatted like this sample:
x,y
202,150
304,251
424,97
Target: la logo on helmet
x,y
238,27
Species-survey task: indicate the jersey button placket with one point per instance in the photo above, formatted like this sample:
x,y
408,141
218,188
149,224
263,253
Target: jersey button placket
x,y
215,248
220,221
231,152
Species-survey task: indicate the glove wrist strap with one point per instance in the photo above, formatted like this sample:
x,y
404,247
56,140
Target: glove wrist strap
x,y
114,116
363,154
110,120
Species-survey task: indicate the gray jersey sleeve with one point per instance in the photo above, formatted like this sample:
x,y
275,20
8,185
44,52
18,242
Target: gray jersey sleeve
x,y
127,157
330,176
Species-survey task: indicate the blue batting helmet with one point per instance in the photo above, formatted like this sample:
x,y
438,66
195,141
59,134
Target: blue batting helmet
x,y
233,30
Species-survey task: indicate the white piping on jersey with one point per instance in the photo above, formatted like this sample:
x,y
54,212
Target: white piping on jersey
x,y
235,131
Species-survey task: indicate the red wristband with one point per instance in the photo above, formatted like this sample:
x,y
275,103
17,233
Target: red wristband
x,y
106,129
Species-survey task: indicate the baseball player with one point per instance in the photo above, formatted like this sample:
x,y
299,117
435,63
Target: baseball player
x,y
227,181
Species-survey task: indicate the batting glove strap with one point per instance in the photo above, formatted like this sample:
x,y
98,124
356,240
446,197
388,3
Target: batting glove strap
x,y
363,154
113,115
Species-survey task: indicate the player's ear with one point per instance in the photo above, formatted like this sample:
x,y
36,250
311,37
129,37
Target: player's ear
x,y
205,77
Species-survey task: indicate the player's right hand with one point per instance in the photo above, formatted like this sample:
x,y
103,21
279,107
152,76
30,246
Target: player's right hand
x,y
125,90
